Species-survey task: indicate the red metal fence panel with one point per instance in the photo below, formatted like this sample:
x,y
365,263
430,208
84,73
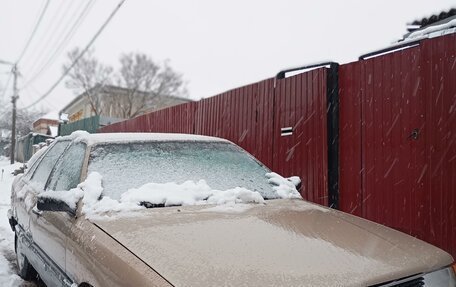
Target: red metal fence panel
x,y
176,119
380,181
300,105
397,140
439,173
243,116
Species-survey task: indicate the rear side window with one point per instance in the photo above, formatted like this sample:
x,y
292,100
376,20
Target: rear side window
x,y
42,171
67,172
31,166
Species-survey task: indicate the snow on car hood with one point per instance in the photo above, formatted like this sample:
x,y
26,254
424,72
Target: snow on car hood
x,y
280,243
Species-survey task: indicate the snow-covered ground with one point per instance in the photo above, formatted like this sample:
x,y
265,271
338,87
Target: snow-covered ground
x,y
8,277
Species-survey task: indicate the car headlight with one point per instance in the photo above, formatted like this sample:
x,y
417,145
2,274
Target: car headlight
x,y
443,277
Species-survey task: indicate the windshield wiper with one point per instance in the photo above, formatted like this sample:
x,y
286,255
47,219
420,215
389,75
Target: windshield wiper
x,y
148,204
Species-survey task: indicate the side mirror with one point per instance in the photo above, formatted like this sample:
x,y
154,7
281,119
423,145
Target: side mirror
x,y
19,170
53,204
298,186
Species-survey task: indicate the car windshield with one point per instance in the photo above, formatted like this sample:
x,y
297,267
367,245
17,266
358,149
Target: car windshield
x,y
222,165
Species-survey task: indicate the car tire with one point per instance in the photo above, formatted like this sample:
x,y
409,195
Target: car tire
x,y
24,269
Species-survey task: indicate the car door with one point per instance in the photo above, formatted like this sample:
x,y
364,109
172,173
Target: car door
x,y
25,206
50,228
33,182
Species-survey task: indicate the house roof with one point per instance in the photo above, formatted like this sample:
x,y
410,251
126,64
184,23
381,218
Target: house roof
x,y
111,88
426,21
54,115
51,116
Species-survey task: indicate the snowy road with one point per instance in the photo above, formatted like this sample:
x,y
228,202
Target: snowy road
x,y
8,277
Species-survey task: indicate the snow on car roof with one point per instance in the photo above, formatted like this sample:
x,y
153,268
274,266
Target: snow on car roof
x,y
92,139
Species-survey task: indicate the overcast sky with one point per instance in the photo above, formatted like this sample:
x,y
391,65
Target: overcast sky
x,y
216,45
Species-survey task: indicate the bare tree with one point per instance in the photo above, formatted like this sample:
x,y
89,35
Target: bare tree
x,y
140,78
88,77
144,80
24,120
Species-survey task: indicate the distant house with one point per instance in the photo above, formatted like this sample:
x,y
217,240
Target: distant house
x,y
110,107
47,124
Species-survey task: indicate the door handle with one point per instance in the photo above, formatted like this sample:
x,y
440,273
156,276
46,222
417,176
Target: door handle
x,y
67,283
415,134
36,211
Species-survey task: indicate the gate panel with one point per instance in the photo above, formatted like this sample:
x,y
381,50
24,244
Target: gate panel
x,y
300,109
384,179
401,108
439,62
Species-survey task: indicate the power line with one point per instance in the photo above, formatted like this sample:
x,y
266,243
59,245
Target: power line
x,y
62,44
80,55
5,114
34,90
6,86
37,24
53,38
50,31
15,74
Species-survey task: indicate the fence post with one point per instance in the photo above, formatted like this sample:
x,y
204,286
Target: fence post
x,y
332,93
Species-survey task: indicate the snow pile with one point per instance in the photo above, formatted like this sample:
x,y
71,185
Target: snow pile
x,y
235,195
189,193
53,115
166,194
93,201
284,187
77,136
69,197
8,277
90,139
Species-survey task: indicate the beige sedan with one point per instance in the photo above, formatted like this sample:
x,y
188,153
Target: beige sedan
x,y
179,210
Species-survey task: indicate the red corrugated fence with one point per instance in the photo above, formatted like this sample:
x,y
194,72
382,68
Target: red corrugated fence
x,y
397,140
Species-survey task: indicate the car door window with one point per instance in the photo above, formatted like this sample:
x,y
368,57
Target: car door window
x,y
32,163
31,168
44,168
67,172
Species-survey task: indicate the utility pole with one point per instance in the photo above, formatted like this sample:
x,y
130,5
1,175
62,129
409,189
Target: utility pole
x,y
13,101
13,125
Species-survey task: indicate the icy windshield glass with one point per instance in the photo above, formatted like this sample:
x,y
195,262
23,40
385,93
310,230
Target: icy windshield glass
x,y
222,165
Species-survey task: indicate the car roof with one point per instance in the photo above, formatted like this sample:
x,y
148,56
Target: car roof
x,y
100,138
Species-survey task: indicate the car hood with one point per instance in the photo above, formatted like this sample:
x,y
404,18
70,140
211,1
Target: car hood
x,y
284,242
